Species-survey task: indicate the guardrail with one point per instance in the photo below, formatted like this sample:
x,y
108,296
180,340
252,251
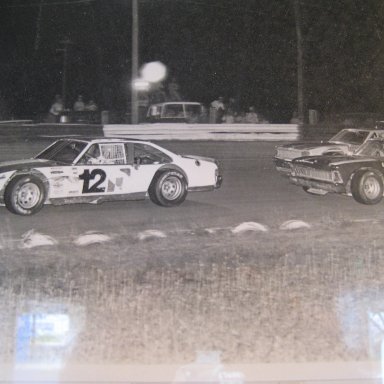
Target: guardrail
x,y
159,131
226,132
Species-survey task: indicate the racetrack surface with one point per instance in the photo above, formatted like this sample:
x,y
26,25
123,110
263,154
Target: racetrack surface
x,y
252,191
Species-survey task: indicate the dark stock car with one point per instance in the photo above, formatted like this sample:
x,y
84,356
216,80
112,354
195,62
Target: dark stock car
x,y
346,141
360,175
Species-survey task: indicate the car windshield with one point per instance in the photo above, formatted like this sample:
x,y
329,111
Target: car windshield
x,y
373,148
350,137
63,151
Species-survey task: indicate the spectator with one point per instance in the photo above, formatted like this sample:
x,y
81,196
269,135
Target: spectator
x,y
217,111
229,117
90,109
91,106
79,104
239,117
56,109
263,120
233,104
251,117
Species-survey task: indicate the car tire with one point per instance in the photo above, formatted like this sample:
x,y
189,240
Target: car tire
x,y
367,187
25,195
168,188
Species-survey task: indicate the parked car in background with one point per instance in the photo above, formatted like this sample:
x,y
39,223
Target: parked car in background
x,y
360,175
177,112
86,170
347,141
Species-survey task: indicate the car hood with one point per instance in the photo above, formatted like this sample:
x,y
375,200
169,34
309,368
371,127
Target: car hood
x,y
314,145
17,165
331,161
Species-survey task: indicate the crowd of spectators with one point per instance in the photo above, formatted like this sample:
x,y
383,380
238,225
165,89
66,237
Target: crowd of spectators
x,y
81,110
220,111
229,113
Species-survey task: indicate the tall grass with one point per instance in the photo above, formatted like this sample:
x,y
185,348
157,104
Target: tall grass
x,y
256,298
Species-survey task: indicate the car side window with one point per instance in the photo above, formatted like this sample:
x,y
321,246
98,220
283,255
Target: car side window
x,y
376,149
381,150
146,154
113,153
106,153
91,156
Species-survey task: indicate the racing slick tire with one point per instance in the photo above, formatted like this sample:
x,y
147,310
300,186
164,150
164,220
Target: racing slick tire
x,y
25,195
367,187
168,188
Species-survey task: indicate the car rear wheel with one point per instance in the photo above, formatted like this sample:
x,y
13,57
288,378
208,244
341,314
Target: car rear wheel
x,y
367,187
25,195
168,189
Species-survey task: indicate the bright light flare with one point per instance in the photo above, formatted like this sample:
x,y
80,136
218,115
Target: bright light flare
x,y
141,85
153,72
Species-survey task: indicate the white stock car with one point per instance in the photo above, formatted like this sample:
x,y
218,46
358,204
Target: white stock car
x,y
94,170
345,142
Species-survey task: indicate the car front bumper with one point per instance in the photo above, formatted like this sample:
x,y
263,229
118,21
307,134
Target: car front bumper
x,y
219,181
206,188
317,184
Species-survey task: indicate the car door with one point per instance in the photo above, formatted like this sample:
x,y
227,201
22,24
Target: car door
x,y
108,173
103,170
145,160
109,169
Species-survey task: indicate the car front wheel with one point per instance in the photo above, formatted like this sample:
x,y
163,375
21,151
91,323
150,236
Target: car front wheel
x,y
168,189
367,187
25,195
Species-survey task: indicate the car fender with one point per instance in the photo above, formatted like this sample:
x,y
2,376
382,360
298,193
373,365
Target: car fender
x,y
370,169
171,167
29,172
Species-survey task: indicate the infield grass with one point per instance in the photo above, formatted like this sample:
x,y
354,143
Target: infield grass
x,y
281,296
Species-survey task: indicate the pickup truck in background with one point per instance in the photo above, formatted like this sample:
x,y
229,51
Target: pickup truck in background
x,y
177,112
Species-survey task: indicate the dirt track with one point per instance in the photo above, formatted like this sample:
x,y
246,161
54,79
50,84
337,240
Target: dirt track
x,y
252,191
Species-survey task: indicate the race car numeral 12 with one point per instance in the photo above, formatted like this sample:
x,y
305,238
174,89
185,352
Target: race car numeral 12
x,y
88,176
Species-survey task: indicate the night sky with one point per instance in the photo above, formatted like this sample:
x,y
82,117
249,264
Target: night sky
x,y
232,48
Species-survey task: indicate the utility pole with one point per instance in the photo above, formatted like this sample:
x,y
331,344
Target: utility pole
x,y
135,62
65,50
38,27
300,62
